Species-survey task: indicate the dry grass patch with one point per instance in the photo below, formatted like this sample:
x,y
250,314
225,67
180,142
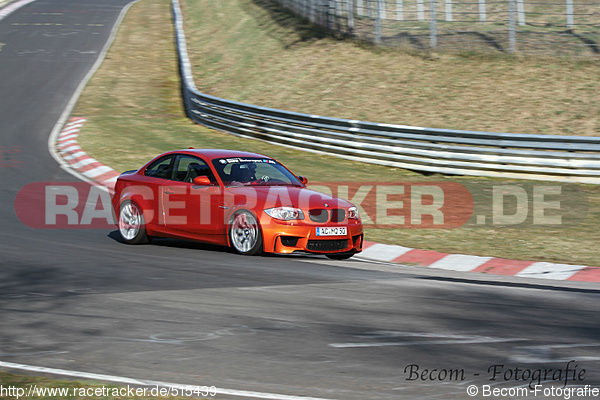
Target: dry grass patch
x,y
248,50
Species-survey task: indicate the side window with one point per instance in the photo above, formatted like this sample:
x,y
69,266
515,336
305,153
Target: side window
x,y
189,167
161,168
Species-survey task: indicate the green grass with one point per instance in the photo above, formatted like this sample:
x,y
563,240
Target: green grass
x,y
248,50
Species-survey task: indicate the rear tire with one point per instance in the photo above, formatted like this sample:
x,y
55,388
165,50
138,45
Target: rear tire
x,y
244,233
132,226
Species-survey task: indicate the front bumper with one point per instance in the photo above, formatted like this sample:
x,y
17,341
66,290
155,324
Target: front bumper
x,y
288,237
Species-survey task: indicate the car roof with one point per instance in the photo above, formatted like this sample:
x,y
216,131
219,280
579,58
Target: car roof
x,y
217,153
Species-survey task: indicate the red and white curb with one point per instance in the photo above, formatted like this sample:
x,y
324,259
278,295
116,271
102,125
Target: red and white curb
x,y
93,170
77,159
488,265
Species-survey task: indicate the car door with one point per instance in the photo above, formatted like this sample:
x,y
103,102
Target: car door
x,y
149,187
189,208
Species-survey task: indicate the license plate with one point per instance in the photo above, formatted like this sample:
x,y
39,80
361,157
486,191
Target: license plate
x,y
337,231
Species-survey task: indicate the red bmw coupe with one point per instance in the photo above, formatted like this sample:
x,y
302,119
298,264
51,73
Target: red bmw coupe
x,y
247,201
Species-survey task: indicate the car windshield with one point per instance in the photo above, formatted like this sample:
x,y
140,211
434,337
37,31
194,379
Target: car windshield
x,y
236,171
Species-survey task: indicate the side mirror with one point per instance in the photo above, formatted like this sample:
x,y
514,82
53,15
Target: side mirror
x,y
303,179
202,181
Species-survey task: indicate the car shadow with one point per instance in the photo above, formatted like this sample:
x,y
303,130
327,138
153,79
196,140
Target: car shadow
x,y
193,245
175,243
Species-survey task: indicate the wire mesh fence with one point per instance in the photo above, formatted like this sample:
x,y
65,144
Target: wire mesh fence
x,y
568,28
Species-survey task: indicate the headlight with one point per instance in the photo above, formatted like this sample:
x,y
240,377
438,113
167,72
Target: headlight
x,y
353,213
285,213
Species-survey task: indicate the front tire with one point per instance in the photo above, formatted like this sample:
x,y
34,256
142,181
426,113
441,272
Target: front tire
x,y
132,226
244,233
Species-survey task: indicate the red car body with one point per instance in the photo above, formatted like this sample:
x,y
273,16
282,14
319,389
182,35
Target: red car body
x,y
239,199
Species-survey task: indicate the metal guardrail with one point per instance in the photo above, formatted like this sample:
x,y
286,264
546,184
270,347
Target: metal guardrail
x,y
508,155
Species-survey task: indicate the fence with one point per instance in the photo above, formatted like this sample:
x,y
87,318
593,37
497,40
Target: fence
x,y
541,157
549,27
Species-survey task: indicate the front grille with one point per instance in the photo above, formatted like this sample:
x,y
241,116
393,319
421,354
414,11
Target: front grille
x,y
327,245
318,215
338,215
322,215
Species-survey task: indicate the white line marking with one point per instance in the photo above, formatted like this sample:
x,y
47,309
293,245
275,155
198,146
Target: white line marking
x,y
440,338
547,270
83,163
66,143
76,122
543,353
68,136
93,173
460,262
75,155
384,252
73,125
425,343
71,148
130,381
65,138
73,129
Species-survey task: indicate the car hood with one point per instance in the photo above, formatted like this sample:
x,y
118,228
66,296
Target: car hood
x,y
262,197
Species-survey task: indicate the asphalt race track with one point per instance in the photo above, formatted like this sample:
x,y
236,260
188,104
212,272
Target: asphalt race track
x,y
192,314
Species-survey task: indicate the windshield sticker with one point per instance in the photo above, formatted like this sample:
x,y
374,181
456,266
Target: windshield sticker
x,y
245,160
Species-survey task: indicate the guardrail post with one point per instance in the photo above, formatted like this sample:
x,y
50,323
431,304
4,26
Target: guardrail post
x,y
350,16
512,28
382,9
420,10
521,12
378,17
482,16
331,15
570,21
360,8
433,25
449,17
400,10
